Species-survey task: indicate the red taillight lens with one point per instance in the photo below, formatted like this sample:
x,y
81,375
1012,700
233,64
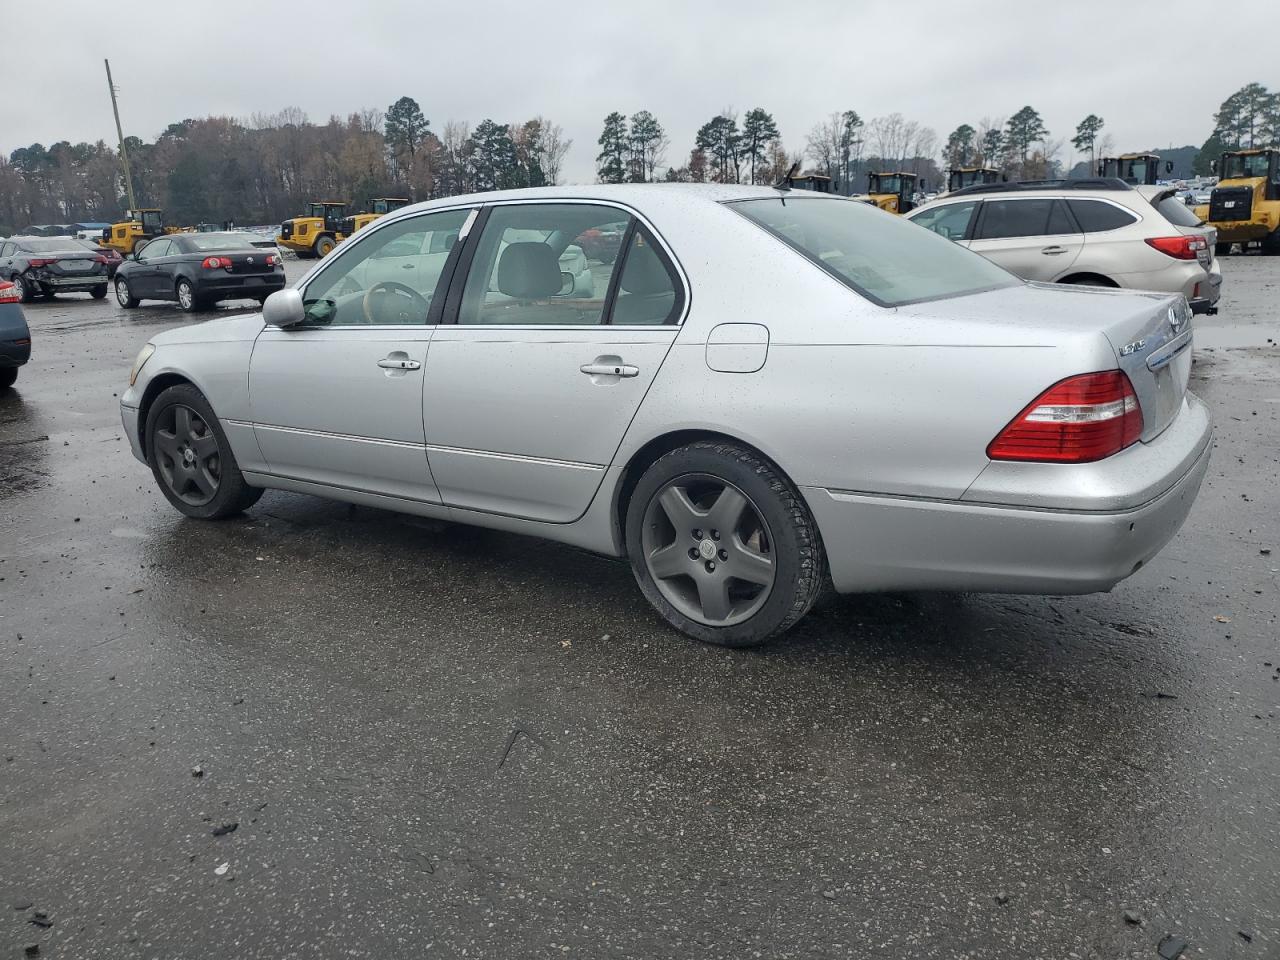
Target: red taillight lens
x,y
41,261
271,259
1077,420
216,263
9,293
1180,248
99,259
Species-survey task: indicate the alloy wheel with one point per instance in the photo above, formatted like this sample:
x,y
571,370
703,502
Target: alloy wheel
x,y
122,293
187,455
186,296
708,549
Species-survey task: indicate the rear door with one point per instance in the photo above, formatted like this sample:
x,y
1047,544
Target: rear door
x,y
1108,245
536,374
1032,237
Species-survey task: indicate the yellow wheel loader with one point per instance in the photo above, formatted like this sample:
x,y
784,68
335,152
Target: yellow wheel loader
x,y
1245,205
317,232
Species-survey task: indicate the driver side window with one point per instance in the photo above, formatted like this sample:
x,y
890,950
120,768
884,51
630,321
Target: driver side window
x,y
386,277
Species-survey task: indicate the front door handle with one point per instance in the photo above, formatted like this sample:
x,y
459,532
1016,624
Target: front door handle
x,y
1053,251
609,370
391,363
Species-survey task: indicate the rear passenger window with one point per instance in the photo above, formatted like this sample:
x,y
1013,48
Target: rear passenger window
x,y
1095,216
647,287
1060,221
1014,218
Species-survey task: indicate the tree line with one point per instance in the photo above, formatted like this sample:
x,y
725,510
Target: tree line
x,y
265,168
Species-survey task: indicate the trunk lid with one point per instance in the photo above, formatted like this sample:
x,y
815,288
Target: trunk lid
x,y
246,262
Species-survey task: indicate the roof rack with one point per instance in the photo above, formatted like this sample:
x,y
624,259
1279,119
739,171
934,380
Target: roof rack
x,y
1087,183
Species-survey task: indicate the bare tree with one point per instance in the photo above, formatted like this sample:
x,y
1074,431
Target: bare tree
x,y
553,147
824,144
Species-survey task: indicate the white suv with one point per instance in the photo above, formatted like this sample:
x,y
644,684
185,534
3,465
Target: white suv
x,y
1100,232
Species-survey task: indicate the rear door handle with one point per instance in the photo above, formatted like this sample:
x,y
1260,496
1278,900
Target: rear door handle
x,y
388,363
1053,251
609,370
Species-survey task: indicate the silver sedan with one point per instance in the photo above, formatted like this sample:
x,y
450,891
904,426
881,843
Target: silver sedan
x,y
762,392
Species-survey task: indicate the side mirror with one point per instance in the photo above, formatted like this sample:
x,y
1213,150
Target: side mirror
x,y
1213,166
283,309
1168,166
924,185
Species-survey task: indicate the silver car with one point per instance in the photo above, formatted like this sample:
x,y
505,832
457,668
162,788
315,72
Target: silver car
x,y
1090,232
766,391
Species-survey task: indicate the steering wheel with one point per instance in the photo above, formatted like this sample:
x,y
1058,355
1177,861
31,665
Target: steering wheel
x,y
412,306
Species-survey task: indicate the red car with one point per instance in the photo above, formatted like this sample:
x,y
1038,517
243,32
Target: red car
x,y
111,257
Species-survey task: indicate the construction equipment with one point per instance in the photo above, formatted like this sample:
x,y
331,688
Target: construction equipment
x,y
137,228
894,192
377,207
814,182
960,177
317,232
1245,205
1134,168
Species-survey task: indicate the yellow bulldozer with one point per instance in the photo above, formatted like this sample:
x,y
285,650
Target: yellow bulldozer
x,y
894,192
1134,168
318,231
1245,205
137,228
960,177
377,207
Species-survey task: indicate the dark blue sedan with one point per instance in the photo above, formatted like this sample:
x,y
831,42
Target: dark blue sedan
x,y
15,336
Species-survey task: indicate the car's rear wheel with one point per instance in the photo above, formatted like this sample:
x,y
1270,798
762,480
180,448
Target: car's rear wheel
x,y
187,299
324,246
98,293
722,544
191,458
123,296
8,377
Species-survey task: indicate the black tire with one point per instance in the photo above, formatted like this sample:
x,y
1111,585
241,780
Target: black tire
x,y
188,300
1221,249
8,377
98,293
123,295
1271,244
27,289
323,246
231,494
794,545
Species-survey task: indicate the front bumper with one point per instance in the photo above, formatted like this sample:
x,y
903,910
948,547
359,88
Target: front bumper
x,y
129,417
876,542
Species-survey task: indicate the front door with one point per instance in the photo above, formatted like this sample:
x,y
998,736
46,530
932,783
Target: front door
x,y
337,400
531,387
144,280
1031,237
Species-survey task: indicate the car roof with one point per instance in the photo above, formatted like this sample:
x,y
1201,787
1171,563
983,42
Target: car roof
x,y
640,195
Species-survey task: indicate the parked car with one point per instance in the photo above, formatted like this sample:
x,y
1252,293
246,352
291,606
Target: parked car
x,y
776,385
15,335
112,257
47,266
1100,232
198,270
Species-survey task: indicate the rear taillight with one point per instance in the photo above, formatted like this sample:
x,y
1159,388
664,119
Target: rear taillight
x,y
216,263
99,259
1077,420
41,261
1180,248
9,293
271,259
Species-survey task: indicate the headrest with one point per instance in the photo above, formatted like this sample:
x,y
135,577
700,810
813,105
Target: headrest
x,y
529,271
643,273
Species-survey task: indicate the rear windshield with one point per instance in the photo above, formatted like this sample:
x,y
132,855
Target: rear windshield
x,y
883,257
48,245
207,242
1176,211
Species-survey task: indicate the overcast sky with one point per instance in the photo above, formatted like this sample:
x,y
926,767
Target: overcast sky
x,y
1151,68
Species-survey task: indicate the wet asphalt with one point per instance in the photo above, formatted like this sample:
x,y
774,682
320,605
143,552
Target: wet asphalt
x,y
440,741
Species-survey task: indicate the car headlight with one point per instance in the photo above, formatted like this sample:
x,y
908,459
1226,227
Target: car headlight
x,y
143,356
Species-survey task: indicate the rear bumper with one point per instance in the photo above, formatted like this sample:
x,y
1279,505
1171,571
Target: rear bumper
x,y
14,354
72,284
235,287
877,542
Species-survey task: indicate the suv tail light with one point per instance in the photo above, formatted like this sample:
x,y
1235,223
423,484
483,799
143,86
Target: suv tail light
x,y
1180,248
1077,420
9,293
216,263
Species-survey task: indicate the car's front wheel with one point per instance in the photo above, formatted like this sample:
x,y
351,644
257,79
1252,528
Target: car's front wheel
x,y
191,458
123,296
722,544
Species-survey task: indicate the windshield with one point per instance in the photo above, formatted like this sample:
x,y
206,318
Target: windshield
x,y
1251,165
208,242
886,185
885,258
1138,170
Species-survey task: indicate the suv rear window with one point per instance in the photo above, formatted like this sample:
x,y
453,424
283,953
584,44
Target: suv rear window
x,y
1175,211
885,258
1094,216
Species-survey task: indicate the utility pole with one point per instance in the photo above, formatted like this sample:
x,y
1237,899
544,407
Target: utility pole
x,y
124,154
